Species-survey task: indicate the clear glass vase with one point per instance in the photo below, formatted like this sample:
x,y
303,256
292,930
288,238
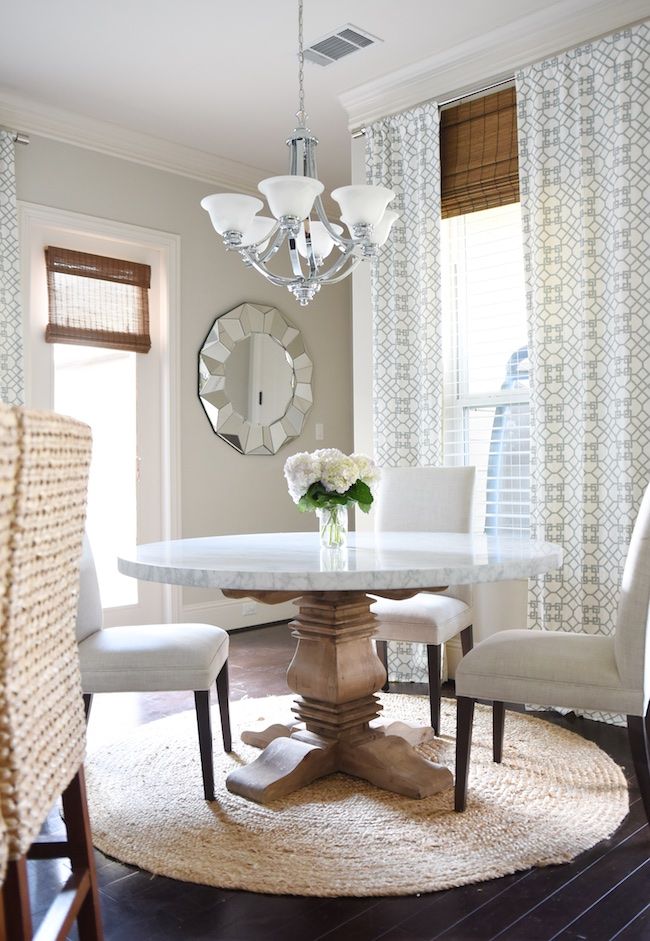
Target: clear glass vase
x,y
333,526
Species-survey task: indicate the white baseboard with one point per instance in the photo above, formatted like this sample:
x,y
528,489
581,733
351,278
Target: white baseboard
x,y
229,613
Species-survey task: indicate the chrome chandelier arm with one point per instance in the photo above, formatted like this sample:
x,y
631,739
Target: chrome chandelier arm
x,y
331,276
322,215
354,263
277,279
336,267
311,255
274,244
294,256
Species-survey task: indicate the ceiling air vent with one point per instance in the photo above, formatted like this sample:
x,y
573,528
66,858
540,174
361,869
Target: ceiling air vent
x,y
342,42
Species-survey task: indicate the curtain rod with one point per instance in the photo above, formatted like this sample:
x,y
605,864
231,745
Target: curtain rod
x,y
18,136
482,90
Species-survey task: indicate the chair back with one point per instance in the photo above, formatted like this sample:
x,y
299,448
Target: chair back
x,y
42,728
630,642
89,609
430,499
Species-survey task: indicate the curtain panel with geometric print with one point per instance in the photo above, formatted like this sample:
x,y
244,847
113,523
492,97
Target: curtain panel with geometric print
x,y
403,153
12,378
584,158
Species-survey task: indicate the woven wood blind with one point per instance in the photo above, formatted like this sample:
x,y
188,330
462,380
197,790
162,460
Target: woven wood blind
x,y
97,301
478,154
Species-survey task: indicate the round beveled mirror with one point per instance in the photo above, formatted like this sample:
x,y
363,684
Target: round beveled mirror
x,y
255,379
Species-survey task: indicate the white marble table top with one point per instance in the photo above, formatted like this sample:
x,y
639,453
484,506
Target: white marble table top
x,y
295,561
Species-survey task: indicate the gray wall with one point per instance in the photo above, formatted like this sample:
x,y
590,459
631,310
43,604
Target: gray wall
x,y
222,491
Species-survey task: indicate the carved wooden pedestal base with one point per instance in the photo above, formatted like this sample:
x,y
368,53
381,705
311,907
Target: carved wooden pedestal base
x,y
336,673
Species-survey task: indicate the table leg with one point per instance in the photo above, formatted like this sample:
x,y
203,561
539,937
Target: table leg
x,y
336,673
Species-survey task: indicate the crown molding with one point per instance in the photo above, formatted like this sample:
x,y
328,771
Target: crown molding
x,y
30,117
490,57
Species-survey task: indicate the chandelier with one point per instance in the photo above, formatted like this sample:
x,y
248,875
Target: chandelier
x,y
298,217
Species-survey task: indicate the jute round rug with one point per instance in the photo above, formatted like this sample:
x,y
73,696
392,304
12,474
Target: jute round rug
x,y
554,796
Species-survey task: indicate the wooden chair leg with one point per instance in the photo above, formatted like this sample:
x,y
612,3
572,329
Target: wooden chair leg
x,y
224,706
640,748
433,661
382,653
204,724
82,856
467,639
78,900
88,704
464,722
3,922
498,726
15,901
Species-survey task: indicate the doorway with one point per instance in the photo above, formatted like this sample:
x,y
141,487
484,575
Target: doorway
x,y
129,400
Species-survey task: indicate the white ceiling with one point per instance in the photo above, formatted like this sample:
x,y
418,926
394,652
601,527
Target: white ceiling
x,y
222,76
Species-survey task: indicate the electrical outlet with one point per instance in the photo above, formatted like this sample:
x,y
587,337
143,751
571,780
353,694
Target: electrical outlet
x,y
249,608
319,431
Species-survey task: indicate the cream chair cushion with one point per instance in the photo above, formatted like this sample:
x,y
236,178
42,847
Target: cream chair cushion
x,y
577,671
425,618
151,657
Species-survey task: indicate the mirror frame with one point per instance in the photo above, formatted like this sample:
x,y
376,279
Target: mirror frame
x,y
228,330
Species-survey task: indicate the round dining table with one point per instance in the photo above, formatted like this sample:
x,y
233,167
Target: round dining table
x,y
335,670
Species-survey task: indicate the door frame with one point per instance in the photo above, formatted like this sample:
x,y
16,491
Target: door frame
x,y
38,224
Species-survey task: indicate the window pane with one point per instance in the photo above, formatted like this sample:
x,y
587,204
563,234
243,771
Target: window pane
x,y
499,447
486,418
98,386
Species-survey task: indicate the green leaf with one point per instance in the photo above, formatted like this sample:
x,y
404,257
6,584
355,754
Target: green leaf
x,y
317,497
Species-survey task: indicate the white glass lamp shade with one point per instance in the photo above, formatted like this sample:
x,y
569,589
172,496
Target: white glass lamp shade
x,y
381,231
231,212
362,204
260,227
321,240
291,195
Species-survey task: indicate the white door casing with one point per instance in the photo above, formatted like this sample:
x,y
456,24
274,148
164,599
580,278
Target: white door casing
x,y
158,372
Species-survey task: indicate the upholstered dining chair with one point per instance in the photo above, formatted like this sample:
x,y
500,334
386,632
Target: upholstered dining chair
x,y
431,499
558,668
152,658
44,461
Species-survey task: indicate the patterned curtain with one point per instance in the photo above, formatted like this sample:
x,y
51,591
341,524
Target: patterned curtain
x,y
584,157
11,338
403,153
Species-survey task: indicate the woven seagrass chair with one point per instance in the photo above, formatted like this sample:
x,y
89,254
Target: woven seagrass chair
x,y
438,500
575,671
44,462
145,658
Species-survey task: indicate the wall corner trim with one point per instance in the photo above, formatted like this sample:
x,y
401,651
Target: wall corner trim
x,y
490,57
31,117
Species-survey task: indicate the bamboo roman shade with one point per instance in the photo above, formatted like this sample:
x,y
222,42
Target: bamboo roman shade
x,y
97,301
478,154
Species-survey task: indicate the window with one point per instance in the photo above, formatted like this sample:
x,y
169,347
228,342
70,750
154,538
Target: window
x,y
486,412
97,301
98,321
486,417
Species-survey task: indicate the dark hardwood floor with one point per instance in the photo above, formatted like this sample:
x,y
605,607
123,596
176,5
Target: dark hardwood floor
x,y
601,896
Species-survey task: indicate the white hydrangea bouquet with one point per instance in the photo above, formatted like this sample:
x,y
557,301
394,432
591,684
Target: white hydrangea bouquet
x,y
328,482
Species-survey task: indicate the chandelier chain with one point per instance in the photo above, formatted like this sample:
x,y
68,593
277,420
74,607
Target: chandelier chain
x,y
301,113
